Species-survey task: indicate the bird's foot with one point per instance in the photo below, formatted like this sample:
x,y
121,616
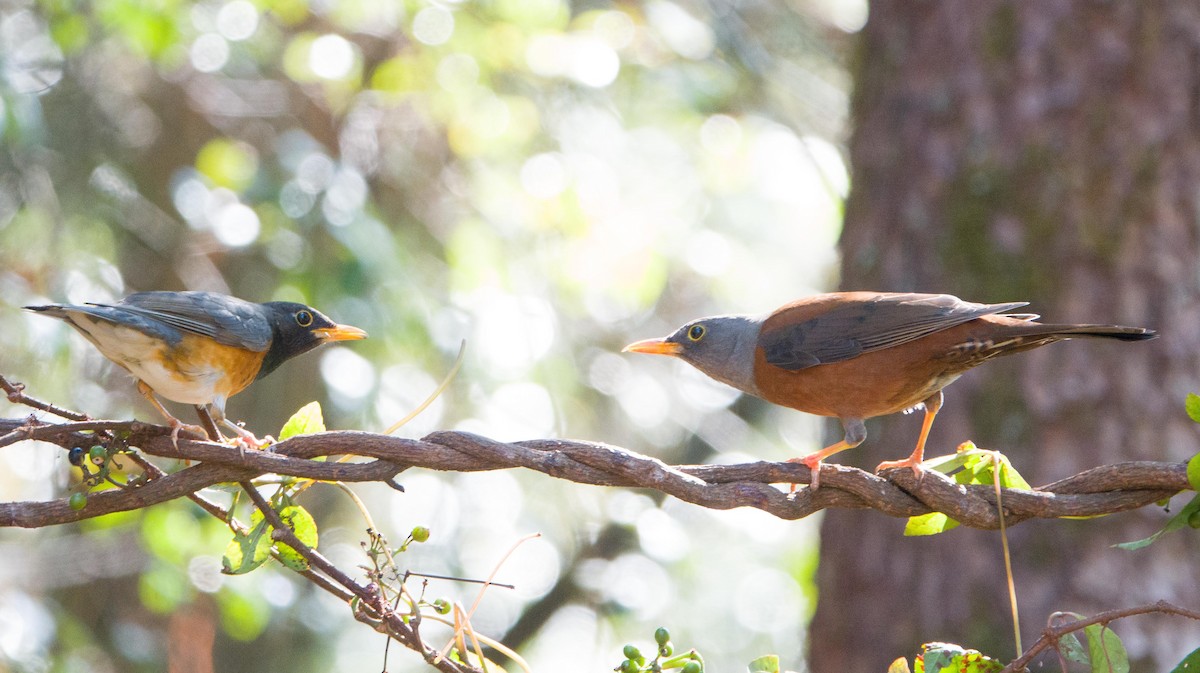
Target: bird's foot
x,y
178,425
912,463
247,440
813,462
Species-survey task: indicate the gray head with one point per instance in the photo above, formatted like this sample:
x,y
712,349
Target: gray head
x,y
721,346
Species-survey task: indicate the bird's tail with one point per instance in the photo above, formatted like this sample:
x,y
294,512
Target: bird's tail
x,y
1022,334
55,310
1120,332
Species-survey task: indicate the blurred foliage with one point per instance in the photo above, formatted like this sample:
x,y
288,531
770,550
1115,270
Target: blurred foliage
x,y
545,180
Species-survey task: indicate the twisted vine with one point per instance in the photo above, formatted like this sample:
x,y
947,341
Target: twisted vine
x,y
1102,490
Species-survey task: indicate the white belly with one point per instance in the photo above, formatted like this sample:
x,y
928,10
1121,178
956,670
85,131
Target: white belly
x,y
142,356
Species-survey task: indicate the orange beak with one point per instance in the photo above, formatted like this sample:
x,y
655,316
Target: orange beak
x,y
340,333
654,347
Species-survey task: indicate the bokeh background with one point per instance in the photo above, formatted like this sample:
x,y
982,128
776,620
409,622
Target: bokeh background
x,y
550,181
546,180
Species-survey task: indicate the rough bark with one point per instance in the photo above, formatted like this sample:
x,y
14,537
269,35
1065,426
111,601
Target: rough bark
x,y
1103,490
1039,151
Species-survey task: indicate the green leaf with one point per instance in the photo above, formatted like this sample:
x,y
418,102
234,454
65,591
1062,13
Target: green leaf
x,y
974,466
1106,650
292,559
301,522
951,658
934,661
977,662
929,524
1193,472
979,466
1009,477
245,552
1173,524
765,664
1070,647
1192,405
305,527
947,464
308,420
1190,663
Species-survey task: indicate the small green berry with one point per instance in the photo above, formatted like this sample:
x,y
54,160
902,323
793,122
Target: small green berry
x,y
420,534
629,666
632,653
97,454
692,667
77,501
442,606
662,635
666,649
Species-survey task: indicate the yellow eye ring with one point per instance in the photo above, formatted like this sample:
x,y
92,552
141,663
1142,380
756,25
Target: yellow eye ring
x,y
696,332
304,318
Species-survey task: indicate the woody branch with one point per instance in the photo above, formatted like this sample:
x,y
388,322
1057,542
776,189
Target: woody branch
x,y
1102,490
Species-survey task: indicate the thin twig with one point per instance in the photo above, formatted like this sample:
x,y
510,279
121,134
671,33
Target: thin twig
x,y
468,614
461,579
16,395
1053,634
395,626
288,537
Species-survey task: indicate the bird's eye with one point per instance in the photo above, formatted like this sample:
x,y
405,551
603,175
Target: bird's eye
x,y
304,318
696,333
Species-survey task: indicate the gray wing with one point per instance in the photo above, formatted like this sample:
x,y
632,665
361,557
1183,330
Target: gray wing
x,y
111,314
227,320
865,326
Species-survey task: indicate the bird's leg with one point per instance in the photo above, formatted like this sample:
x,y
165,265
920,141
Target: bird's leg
x,y
932,404
175,423
856,433
207,422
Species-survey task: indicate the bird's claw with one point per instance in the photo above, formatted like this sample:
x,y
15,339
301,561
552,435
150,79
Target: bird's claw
x,y
815,467
250,441
246,439
914,465
177,425
813,463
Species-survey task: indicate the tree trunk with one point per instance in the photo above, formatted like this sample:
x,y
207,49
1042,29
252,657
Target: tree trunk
x,y
1048,152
